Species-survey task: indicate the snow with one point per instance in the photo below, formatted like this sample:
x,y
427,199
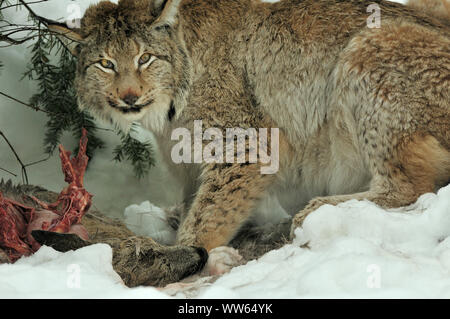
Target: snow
x,y
149,220
353,250
85,273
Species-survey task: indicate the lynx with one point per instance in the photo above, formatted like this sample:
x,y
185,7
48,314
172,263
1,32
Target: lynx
x,y
363,113
438,8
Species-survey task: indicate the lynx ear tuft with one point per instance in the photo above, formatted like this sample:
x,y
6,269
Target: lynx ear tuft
x,y
168,12
71,37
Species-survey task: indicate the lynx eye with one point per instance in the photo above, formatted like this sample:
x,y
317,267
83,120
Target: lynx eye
x,y
145,58
106,64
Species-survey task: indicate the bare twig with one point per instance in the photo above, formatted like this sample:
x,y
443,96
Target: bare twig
x,y
24,170
15,5
40,161
12,41
26,104
5,170
37,17
11,32
43,20
38,109
24,166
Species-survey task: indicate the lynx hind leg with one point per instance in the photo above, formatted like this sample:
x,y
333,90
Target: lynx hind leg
x,y
420,166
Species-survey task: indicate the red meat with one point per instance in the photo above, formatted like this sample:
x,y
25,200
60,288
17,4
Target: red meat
x,y
64,216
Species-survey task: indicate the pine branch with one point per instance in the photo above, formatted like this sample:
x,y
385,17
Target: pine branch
x,y
139,154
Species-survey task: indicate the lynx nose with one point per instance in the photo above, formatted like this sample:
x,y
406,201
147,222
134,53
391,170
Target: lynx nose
x,y
130,99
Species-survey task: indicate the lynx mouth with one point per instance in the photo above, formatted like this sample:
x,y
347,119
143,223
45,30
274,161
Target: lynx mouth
x,y
129,109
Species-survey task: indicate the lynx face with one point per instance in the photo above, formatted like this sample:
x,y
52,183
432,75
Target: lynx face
x,y
132,63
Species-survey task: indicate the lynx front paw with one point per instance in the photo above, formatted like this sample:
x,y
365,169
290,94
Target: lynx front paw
x,y
221,260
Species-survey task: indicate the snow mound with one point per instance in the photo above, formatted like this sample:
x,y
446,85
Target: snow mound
x,y
85,273
354,250
414,229
149,220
